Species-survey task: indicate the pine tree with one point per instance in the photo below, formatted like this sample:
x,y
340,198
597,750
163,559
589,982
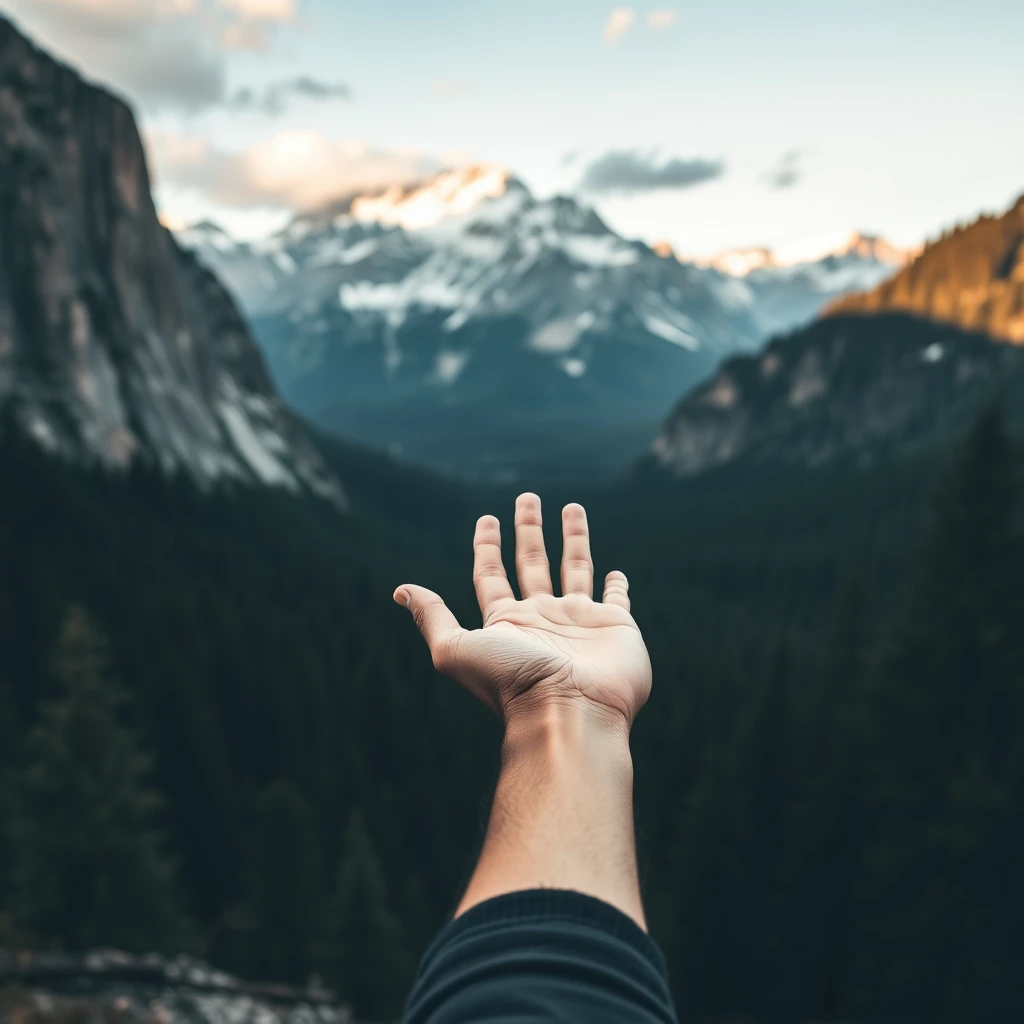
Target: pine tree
x,y
286,888
367,955
91,866
943,896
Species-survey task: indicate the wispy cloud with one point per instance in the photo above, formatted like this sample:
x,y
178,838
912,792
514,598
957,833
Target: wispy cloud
x,y
277,97
629,171
619,22
293,170
661,20
787,173
164,54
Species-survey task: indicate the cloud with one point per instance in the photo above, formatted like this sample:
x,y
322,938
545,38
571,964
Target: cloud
x,y
787,173
293,170
619,22
625,171
164,54
660,20
277,97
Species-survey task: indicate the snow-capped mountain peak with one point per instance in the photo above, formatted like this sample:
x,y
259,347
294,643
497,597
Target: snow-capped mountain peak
x,y
451,193
740,262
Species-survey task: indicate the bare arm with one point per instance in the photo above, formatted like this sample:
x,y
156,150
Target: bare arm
x,y
567,675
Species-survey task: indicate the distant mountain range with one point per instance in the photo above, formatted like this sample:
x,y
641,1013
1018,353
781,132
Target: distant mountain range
x,y
467,324
117,347
791,286
898,369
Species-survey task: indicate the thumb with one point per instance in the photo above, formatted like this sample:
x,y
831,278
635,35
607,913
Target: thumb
x,y
434,620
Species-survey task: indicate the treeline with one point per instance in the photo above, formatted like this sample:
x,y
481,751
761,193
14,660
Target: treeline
x,y
217,734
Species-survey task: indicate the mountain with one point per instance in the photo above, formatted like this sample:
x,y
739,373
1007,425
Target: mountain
x,y
116,346
469,325
972,277
848,387
789,287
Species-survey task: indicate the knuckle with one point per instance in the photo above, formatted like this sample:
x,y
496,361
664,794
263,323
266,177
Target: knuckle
x,y
488,572
528,517
533,559
443,653
578,565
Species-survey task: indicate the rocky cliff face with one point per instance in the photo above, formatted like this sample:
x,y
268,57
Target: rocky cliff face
x,y
852,387
116,346
973,278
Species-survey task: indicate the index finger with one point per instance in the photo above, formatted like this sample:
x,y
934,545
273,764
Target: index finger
x,y
489,576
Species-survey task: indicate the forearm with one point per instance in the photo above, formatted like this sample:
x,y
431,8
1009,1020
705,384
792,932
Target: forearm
x,y
562,816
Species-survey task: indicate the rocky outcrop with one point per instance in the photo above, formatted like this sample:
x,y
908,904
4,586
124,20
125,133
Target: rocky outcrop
x,y
116,346
119,988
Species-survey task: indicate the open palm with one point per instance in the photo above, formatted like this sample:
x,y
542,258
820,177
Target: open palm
x,y
542,648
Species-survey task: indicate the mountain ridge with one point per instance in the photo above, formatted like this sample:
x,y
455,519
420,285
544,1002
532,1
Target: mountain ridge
x,y
856,388
971,277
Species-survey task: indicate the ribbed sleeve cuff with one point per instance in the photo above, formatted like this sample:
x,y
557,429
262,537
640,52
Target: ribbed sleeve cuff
x,y
551,905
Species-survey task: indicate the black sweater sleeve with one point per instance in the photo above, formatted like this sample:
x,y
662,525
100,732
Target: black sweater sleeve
x,y
542,955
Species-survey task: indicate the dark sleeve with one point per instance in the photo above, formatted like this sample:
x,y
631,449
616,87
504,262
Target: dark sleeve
x,y
542,955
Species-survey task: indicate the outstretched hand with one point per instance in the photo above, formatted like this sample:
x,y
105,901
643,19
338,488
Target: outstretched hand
x,y
541,650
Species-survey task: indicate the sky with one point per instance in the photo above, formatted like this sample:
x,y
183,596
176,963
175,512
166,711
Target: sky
x,y
711,125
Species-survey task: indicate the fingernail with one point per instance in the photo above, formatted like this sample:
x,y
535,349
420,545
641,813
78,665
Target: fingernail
x,y
402,597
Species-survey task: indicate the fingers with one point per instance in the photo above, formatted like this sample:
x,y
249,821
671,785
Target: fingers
x,y
435,621
577,565
532,568
616,590
488,570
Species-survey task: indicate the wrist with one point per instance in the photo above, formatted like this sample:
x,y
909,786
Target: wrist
x,y
565,729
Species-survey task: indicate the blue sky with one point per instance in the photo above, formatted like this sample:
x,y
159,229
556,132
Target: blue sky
x,y
728,123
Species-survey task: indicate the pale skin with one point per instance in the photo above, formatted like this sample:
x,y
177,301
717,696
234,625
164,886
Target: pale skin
x,y
567,676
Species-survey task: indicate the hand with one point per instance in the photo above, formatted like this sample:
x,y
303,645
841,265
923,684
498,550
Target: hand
x,y
541,651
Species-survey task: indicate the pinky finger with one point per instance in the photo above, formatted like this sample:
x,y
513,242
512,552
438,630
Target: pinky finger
x,y
616,590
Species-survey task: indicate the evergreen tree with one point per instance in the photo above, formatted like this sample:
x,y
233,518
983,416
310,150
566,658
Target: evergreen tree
x,y
367,956
943,897
286,898
91,867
